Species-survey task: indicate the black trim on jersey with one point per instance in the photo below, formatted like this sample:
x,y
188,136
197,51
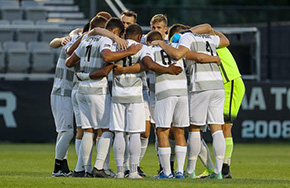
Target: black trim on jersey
x,y
186,31
224,72
231,100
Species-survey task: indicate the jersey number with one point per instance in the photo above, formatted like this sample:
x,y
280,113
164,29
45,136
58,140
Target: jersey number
x,y
166,60
127,61
88,52
208,48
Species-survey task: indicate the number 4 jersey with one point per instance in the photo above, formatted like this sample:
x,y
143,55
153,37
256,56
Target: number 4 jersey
x,y
127,88
167,85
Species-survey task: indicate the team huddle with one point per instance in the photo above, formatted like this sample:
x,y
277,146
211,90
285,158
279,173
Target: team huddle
x,y
184,77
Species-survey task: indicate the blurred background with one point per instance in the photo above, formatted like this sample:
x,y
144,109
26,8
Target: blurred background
x,y
258,31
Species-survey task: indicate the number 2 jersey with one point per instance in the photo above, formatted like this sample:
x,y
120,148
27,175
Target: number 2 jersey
x,y
167,85
89,52
127,88
203,76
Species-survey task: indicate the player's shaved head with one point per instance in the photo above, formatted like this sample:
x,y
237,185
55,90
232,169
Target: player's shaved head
x,y
176,28
114,23
105,14
152,36
98,21
133,30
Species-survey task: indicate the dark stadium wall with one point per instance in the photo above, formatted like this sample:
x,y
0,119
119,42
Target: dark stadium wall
x,y
25,114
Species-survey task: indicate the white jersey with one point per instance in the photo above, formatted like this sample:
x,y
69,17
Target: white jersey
x,y
89,52
63,78
167,85
203,76
127,88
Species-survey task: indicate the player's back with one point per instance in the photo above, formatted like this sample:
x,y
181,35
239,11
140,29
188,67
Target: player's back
x,y
89,52
167,85
203,76
127,88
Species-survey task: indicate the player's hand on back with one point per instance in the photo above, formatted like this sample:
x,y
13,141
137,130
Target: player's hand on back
x,y
118,69
65,40
219,62
156,42
175,70
134,48
122,43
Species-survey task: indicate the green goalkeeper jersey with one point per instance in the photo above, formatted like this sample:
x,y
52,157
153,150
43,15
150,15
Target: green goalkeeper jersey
x,y
228,67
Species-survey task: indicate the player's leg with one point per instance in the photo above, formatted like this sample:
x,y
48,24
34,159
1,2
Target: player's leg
x,y
63,115
204,156
126,156
135,115
103,103
118,127
172,143
234,92
215,120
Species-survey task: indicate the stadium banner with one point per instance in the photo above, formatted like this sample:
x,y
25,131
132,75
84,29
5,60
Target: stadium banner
x,y
25,113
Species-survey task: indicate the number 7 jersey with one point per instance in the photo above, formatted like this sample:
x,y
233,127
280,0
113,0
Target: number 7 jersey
x,y
167,85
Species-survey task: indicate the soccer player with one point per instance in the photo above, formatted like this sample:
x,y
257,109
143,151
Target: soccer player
x,y
206,95
127,103
93,96
61,106
128,18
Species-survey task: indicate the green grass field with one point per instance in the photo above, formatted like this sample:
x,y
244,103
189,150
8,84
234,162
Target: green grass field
x,y
253,165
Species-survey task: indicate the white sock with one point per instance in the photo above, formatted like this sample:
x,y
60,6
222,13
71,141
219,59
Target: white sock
x,y
193,146
172,147
180,152
87,148
119,150
164,155
107,161
144,144
103,149
134,150
219,148
77,145
204,155
126,155
62,145
80,164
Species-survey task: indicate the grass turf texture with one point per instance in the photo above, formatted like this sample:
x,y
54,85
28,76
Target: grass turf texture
x,y
253,165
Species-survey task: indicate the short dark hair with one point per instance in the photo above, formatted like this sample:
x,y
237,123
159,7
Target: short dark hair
x,y
176,28
104,14
130,13
133,30
86,27
153,35
113,23
98,21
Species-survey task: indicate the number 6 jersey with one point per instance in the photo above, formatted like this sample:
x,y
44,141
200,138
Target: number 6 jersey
x,y
167,85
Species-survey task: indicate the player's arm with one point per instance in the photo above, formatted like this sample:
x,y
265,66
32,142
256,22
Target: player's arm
x,y
122,44
109,56
96,74
70,50
175,53
59,42
202,29
202,58
150,64
224,41
138,67
72,60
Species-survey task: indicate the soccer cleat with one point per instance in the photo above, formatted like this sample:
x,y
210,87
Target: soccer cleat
x,y
215,176
99,173
226,171
59,173
205,173
179,175
190,175
79,174
134,175
110,173
163,176
140,171
126,173
88,175
120,175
